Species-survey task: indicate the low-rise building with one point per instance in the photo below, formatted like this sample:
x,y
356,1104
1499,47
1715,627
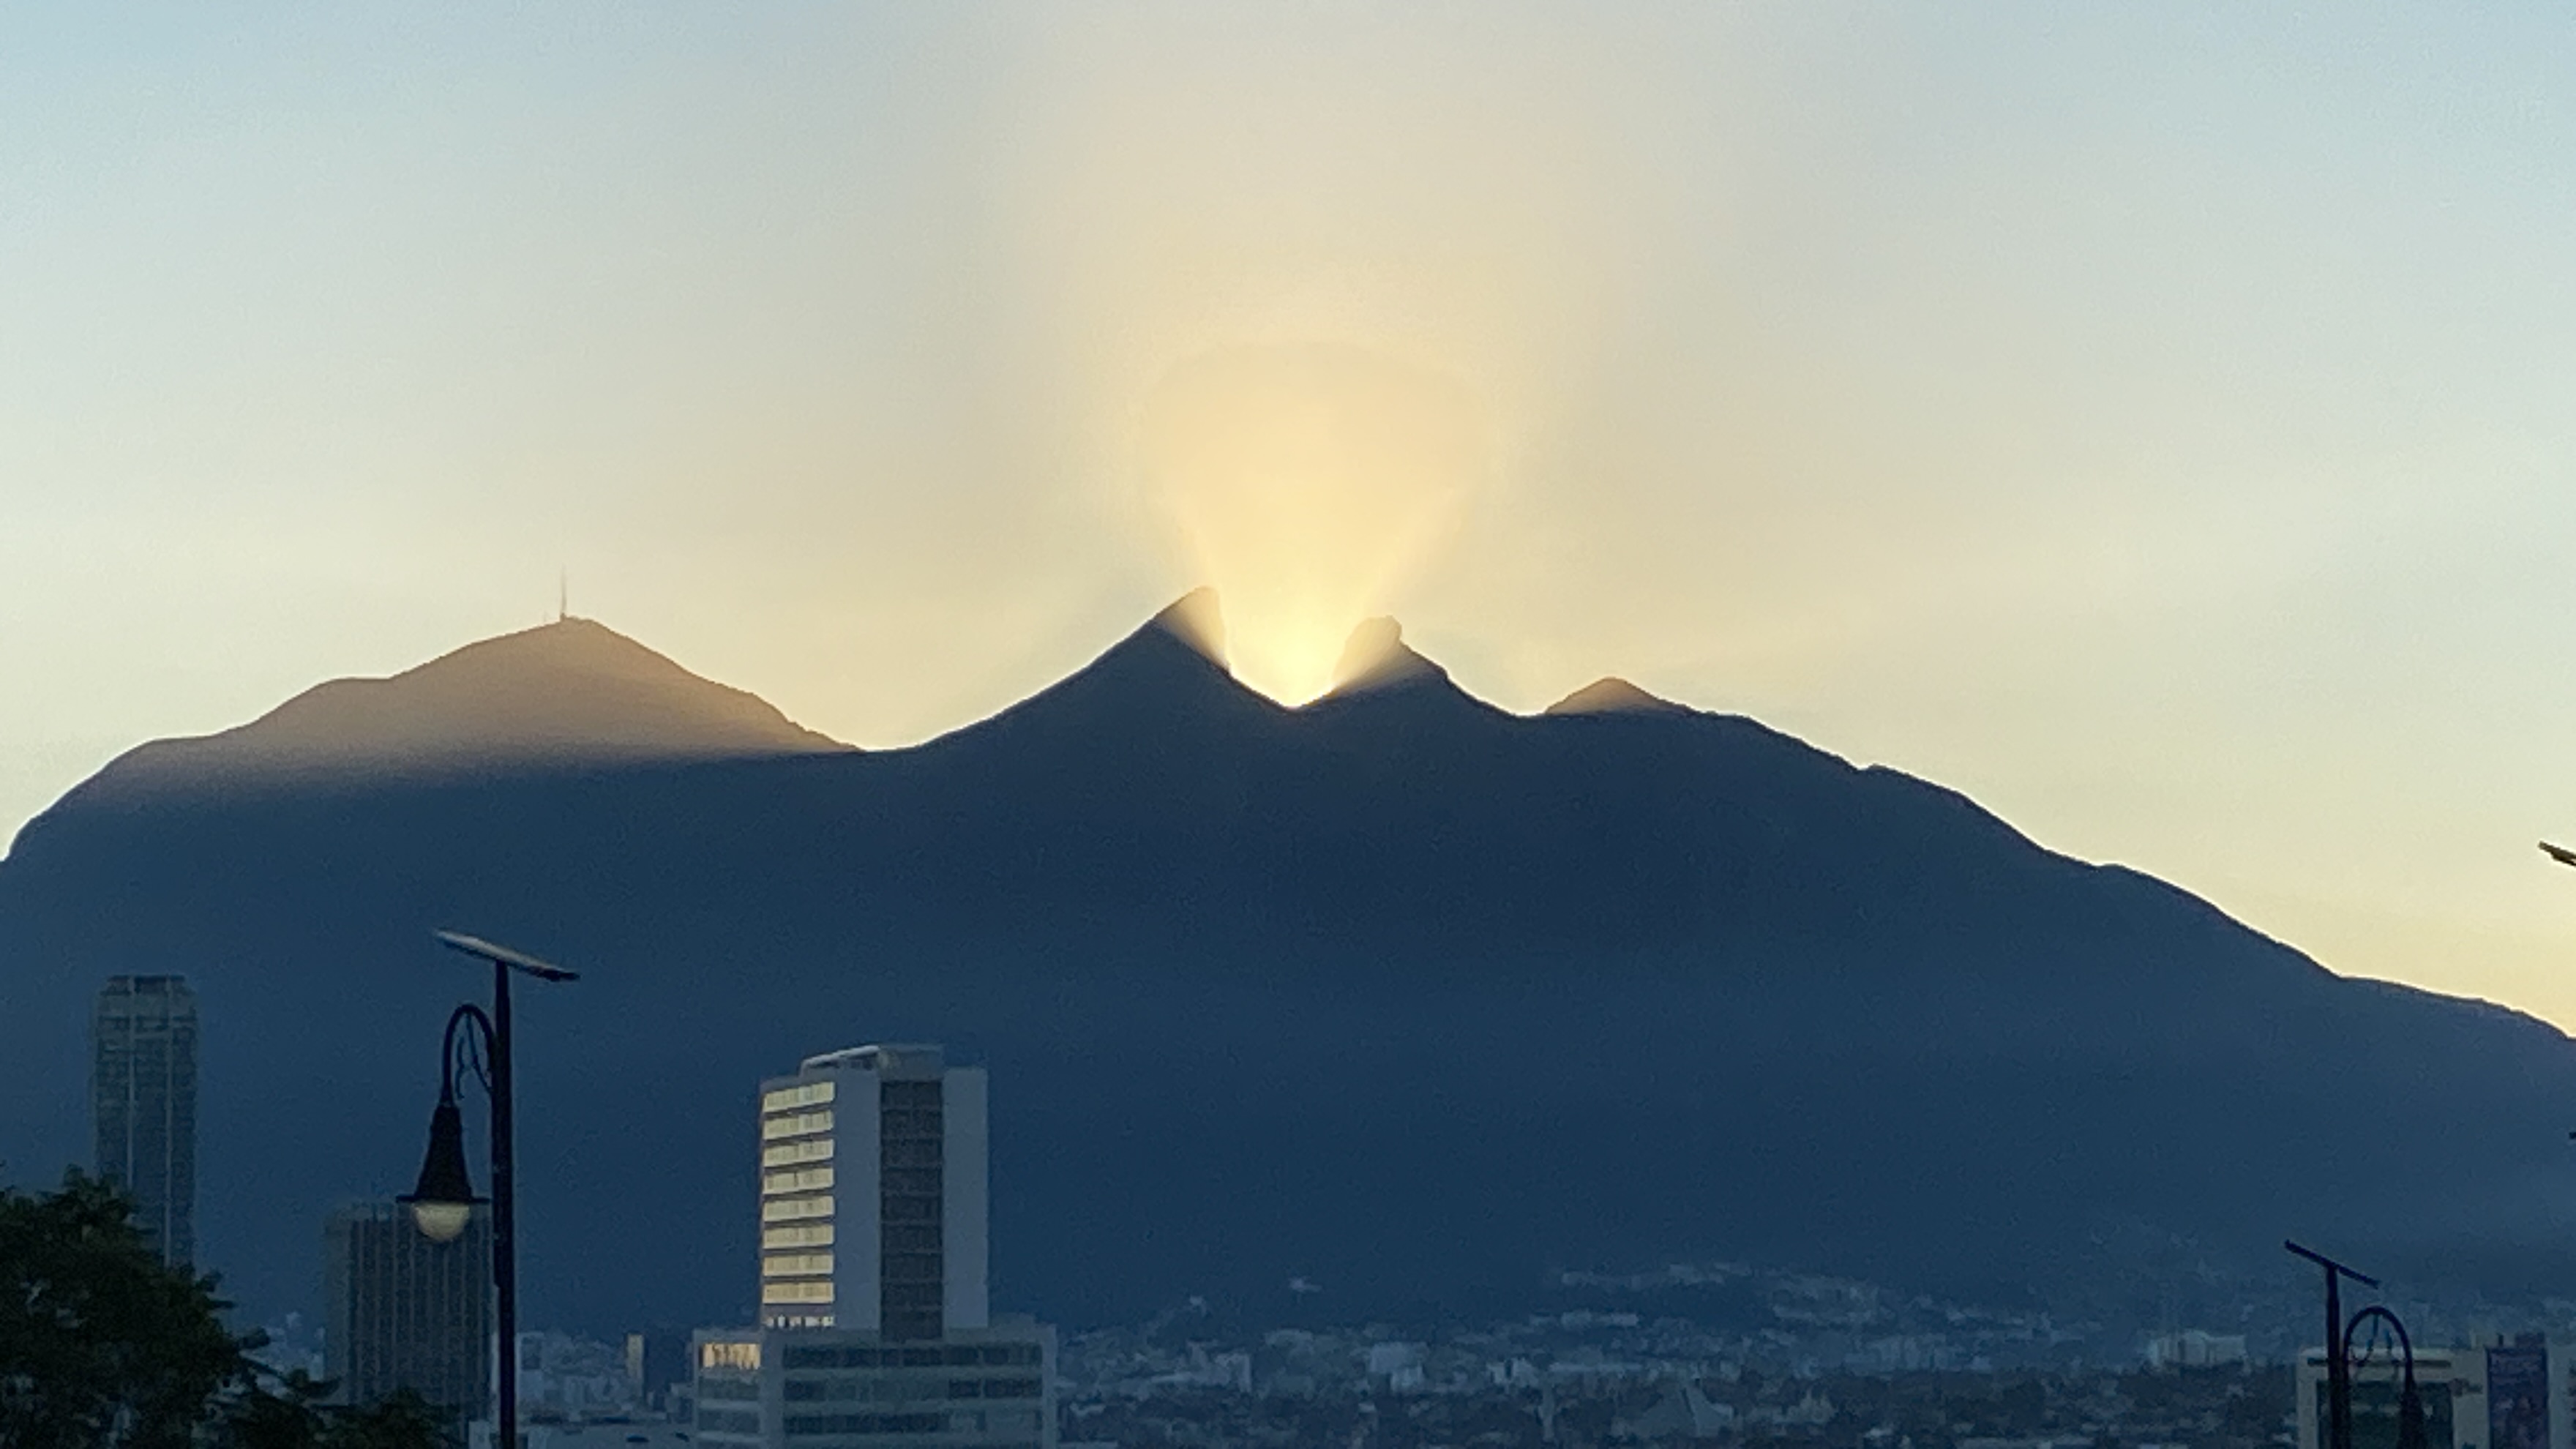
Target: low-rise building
x,y
2503,1395
2196,1348
831,1388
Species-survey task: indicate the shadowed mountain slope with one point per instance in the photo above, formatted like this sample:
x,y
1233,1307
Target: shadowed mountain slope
x,y
1396,992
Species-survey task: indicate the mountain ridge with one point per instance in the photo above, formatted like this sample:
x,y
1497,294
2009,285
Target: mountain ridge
x,y
572,692
1396,990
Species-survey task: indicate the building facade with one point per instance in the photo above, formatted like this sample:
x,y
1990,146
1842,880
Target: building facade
x,y
143,1104
990,1387
873,1202
2500,1394
402,1311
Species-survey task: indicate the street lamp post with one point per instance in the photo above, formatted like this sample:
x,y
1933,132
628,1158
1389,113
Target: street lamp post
x,y
444,1201
2339,1363
2338,1426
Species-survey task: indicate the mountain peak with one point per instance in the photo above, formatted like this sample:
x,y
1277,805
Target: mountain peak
x,y
1376,658
1170,671
1612,695
1196,619
573,692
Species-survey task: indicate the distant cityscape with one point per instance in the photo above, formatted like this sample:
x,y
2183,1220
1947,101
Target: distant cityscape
x,y
875,1327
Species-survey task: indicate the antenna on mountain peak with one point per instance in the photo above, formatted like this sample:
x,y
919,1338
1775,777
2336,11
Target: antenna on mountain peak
x,y
563,595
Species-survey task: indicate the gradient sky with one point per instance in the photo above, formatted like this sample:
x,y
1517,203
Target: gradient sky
x,y
2157,422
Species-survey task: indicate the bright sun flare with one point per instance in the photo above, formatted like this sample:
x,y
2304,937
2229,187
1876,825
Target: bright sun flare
x,y
1307,482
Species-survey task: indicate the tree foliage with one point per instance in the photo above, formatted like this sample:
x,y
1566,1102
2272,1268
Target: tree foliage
x,y
287,1412
101,1343
104,1346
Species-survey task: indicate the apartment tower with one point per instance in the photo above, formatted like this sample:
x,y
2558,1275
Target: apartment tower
x,y
874,1329
872,1195
143,1104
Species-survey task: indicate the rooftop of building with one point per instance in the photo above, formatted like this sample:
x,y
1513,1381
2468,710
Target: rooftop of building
x,y
905,1057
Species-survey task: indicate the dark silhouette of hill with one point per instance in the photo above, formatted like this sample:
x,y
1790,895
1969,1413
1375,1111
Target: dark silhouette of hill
x,y
1613,695
1397,992
573,692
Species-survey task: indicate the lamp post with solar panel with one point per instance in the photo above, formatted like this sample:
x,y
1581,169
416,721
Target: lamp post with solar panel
x,y
2350,1344
443,1202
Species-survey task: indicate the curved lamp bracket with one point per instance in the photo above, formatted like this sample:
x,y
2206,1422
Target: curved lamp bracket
x,y
473,1050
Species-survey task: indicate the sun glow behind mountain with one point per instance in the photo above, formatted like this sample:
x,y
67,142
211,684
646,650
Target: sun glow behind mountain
x,y
1307,482
1908,381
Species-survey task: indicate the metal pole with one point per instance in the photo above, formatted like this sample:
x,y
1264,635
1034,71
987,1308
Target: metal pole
x,y
2337,1429
2338,1373
505,1220
505,1245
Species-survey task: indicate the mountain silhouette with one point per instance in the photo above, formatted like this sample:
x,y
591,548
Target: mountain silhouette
x,y
1613,695
1396,992
573,692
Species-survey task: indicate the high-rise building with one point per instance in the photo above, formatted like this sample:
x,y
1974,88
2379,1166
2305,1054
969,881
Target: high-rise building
x,y
872,1195
874,1329
403,1311
143,1104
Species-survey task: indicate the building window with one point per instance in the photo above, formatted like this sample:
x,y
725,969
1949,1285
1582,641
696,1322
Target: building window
x,y
804,1094
911,1137
788,1154
922,1295
913,1152
797,1290
795,1124
802,1425
796,1265
789,1209
742,1356
911,1238
797,1235
801,1179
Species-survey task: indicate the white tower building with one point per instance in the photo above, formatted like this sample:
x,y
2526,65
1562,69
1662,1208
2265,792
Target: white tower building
x,y
873,1202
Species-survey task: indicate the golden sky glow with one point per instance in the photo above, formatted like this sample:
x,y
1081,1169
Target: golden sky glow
x,y
1305,484
2156,422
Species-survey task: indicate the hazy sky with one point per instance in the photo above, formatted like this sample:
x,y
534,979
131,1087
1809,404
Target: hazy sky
x,y
2157,422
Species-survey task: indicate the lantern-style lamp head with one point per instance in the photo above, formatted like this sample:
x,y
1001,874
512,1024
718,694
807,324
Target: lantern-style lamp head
x,y
444,1201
